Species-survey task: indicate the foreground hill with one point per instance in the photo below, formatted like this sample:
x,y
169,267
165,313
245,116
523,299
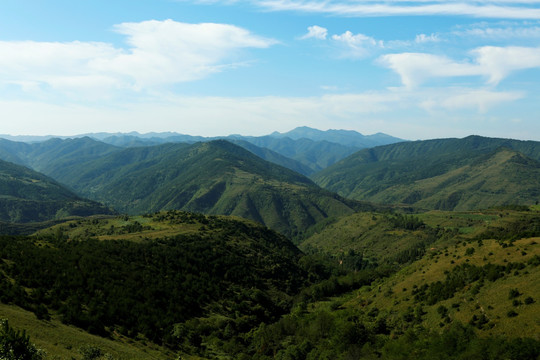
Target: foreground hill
x,y
211,287
143,277
215,177
445,174
28,196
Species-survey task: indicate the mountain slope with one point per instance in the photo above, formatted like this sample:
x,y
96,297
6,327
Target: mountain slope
x,y
215,177
452,173
28,196
52,155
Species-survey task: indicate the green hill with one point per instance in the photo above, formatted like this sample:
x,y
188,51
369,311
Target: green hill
x,y
442,174
143,277
215,177
28,196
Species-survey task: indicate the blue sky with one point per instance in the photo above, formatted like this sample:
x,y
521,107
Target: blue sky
x,y
412,69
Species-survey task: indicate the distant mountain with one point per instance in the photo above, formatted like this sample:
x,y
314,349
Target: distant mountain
x,y
315,155
310,149
343,137
54,154
448,174
214,177
28,196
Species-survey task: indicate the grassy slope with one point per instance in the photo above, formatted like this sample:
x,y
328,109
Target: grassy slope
x,y
64,341
393,296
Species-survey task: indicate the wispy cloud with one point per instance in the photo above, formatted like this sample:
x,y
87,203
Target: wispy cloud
x,y
501,9
494,63
356,45
500,31
158,53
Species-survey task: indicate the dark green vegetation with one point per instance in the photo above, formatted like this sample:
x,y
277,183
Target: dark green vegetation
x,y
447,174
15,344
175,267
456,285
28,196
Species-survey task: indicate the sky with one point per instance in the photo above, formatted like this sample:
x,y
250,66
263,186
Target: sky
x,y
412,69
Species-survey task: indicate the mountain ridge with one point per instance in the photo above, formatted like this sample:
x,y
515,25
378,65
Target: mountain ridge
x,y
375,174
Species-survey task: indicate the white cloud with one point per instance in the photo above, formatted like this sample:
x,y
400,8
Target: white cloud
x,y
423,38
356,45
502,9
494,63
499,62
416,68
316,32
160,53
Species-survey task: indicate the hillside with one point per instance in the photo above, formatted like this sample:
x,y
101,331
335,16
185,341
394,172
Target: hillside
x,y
442,174
142,277
50,156
214,178
28,196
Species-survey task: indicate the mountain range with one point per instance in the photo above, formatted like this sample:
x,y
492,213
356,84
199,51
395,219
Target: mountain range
x,y
312,149
172,262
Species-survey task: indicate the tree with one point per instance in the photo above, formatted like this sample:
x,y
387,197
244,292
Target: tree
x,y
16,345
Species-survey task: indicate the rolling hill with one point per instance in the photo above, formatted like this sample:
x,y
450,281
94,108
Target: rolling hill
x,y
28,196
442,174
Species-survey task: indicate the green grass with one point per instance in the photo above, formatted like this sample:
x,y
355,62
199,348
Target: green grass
x,y
61,341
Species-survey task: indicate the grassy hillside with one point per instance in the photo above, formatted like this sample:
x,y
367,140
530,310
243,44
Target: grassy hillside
x,y
471,293
445,174
62,341
28,196
215,178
